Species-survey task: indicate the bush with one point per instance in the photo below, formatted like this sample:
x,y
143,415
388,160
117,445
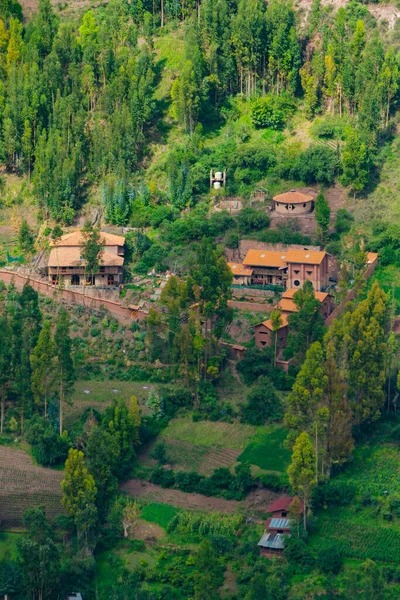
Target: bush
x,y
330,560
274,482
271,111
163,477
263,404
188,482
343,221
329,127
48,448
318,164
250,219
334,493
160,453
298,553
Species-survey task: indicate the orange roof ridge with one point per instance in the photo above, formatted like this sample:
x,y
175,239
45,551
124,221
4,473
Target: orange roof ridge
x,y
75,238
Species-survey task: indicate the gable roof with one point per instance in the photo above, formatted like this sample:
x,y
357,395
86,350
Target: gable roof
x,y
290,292
287,305
371,257
272,540
70,256
282,503
239,269
268,323
266,258
307,257
76,238
293,197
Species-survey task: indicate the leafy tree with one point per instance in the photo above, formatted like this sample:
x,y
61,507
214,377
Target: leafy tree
x,y
250,219
306,325
43,367
356,161
263,404
64,365
102,454
120,423
92,250
79,495
323,217
130,516
26,238
301,471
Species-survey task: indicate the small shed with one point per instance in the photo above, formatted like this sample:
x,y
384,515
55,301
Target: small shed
x,y
280,507
265,335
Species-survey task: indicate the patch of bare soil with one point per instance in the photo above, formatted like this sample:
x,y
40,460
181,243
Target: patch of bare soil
x,y
230,586
155,493
259,499
148,532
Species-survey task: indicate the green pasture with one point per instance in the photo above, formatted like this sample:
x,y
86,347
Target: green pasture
x,y
161,514
266,450
208,433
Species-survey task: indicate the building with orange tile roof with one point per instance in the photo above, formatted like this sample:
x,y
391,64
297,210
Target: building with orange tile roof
x,y
265,335
288,268
293,203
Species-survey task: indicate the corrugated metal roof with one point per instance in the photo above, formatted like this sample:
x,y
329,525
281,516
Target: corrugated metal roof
x,y
279,523
272,540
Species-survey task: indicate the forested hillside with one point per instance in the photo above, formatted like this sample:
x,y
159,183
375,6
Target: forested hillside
x,y
140,456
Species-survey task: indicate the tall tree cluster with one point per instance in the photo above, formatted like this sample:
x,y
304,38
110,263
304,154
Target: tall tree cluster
x,y
36,358
341,383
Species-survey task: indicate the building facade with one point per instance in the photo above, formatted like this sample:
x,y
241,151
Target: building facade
x,y
66,263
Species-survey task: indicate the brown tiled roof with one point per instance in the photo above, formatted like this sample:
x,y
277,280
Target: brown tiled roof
x,y
268,323
307,257
76,238
265,258
289,293
70,256
239,269
293,197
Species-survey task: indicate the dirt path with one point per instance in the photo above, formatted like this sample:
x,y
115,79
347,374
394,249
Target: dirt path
x,y
152,492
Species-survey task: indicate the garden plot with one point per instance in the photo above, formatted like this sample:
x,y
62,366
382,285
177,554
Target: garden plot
x,y
24,485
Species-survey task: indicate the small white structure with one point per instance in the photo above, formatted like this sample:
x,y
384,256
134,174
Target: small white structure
x,y
74,596
217,179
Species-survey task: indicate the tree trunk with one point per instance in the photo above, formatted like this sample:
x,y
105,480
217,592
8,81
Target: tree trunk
x,y
162,13
2,410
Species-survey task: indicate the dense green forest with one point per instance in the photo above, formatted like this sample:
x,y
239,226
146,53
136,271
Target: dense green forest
x,y
123,109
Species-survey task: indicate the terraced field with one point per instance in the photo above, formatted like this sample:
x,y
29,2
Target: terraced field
x,y
24,485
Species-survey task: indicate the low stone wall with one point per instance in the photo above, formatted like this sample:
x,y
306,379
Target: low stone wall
x,y
246,291
69,296
254,306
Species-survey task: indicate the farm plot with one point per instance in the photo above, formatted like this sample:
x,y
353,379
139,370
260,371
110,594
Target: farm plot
x,y
359,541
209,433
187,457
24,485
266,450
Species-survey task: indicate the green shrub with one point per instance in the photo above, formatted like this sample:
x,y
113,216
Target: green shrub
x,y
330,560
274,482
271,111
250,219
263,404
343,221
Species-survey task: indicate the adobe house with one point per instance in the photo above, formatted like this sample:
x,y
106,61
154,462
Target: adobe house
x,y
293,203
268,267
65,261
287,305
241,273
272,542
287,268
306,265
265,335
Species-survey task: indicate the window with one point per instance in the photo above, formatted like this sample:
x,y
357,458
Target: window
x,y
75,280
102,269
309,272
110,280
296,282
90,280
297,271
304,205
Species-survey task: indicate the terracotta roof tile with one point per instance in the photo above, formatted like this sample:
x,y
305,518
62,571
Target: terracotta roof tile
x,y
75,238
293,197
70,256
265,258
268,323
239,269
307,257
371,257
289,293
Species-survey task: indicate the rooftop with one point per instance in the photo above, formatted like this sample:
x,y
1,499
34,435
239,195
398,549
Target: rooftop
x,y
282,503
293,197
266,258
371,257
279,523
290,292
287,305
268,325
70,256
76,238
272,540
280,260
239,269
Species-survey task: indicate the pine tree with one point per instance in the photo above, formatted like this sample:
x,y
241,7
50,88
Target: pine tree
x,y
322,217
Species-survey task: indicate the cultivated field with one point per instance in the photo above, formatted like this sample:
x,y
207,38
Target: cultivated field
x,y
24,485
